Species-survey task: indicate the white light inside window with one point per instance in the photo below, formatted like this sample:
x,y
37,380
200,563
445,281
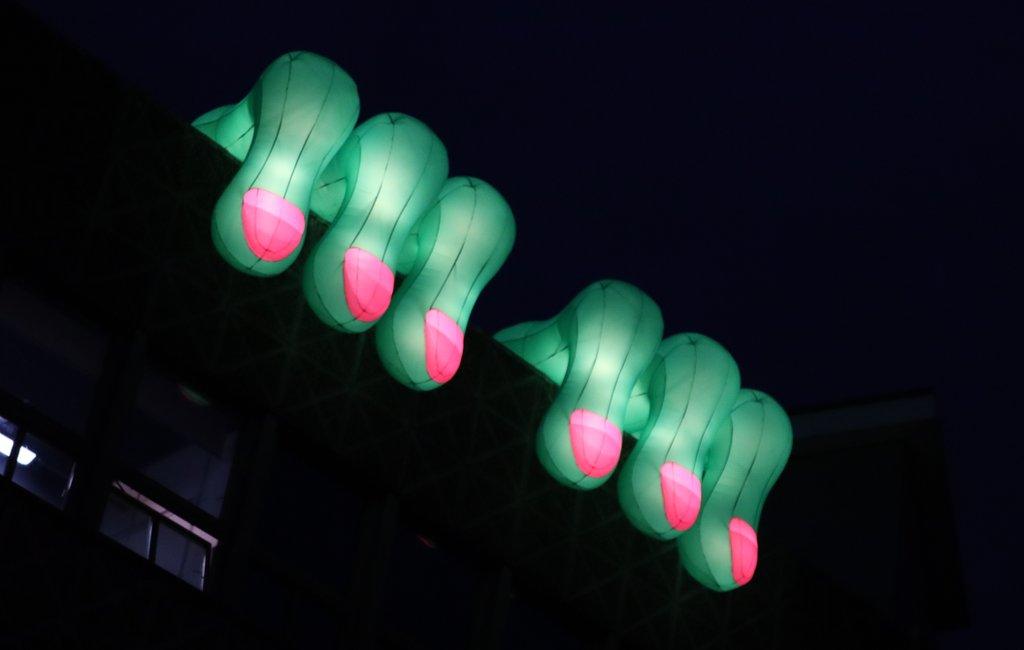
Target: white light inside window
x,y
25,455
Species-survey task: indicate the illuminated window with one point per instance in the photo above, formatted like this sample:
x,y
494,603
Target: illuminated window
x,y
154,532
7,433
40,468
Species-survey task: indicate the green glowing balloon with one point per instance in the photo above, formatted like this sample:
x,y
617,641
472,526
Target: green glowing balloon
x,y
459,246
382,181
721,550
285,131
707,451
691,387
596,349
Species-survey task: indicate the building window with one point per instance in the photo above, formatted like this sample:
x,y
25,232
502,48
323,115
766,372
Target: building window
x,y
39,467
176,438
157,534
128,524
181,554
7,433
48,473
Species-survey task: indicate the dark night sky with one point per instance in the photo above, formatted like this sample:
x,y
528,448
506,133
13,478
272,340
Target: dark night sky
x,y
826,191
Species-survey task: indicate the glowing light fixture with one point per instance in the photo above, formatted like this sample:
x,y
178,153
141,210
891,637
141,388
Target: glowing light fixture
x,y
25,455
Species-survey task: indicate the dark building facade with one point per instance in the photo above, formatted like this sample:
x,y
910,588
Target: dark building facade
x,y
190,459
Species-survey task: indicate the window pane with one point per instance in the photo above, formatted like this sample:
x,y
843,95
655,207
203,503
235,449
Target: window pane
x,y
7,433
178,440
127,524
182,555
46,471
47,357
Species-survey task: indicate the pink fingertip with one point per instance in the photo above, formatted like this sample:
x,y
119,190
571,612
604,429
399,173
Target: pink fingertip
x,y
369,284
680,495
596,442
272,225
743,544
444,344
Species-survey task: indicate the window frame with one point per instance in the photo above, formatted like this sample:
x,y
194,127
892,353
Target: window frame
x,y
159,519
27,420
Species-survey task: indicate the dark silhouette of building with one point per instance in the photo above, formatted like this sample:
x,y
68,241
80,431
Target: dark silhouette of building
x,y
193,460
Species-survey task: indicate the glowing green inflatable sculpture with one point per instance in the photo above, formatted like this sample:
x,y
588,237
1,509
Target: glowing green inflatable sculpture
x,y
720,551
459,246
384,188
707,452
690,389
596,350
284,131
